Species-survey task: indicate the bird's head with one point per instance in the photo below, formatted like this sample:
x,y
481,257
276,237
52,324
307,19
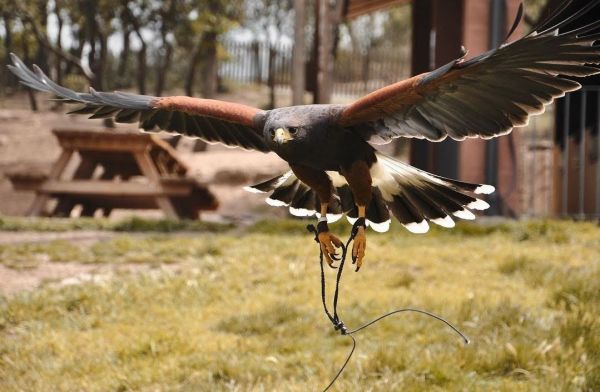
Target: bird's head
x,y
283,134
290,129
285,128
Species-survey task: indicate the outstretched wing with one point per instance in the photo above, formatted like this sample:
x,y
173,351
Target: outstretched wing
x,y
214,121
486,96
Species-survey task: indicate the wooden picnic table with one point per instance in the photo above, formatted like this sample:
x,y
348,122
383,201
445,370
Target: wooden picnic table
x,y
116,169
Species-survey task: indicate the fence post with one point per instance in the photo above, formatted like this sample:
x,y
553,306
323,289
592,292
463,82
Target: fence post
x,y
298,55
582,154
257,65
565,179
598,154
365,70
271,75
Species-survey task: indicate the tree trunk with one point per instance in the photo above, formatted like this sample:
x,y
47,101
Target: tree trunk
x,y
122,68
190,78
142,67
75,51
32,101
299,54
103,59
7,79
92,34
328,19
58,59
162,68
141,55
41,55
324,42
168,21
101,80
209,85
98,54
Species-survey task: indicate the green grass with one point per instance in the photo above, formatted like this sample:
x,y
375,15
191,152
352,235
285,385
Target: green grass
x,y
244,313
123,249
133,224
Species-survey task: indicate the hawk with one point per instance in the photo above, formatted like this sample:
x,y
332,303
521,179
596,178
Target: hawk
x,y
335,168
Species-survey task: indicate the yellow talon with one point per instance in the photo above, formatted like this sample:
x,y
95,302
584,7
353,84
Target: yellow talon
x,y
329,243
359,247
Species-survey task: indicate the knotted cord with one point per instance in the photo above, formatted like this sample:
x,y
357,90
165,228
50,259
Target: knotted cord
x,y
338,324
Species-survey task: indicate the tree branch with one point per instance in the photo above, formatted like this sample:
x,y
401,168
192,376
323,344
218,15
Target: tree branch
x,y
43,40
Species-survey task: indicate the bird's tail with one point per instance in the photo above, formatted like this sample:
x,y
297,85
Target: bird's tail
x,y
416,197
413,196
288,191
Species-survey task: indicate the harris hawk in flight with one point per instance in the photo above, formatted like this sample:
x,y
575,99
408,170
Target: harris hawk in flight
x,y
335,168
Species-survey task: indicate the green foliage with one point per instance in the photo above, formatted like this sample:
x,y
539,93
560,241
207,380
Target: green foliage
x,y
243,312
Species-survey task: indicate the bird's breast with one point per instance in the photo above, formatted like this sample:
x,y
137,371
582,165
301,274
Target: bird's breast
x,y
325,149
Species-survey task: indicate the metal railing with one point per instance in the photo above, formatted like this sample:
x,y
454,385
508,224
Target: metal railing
x,y
559,159
580,156
354,73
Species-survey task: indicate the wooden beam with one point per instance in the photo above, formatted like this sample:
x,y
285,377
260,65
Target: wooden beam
x,y
109,145
361,7
113,188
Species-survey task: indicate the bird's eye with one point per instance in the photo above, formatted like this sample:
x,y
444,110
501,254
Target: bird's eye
x,y
272,132
292,130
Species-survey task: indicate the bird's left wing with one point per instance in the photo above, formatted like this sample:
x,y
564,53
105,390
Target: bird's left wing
x,y
486,96
215,121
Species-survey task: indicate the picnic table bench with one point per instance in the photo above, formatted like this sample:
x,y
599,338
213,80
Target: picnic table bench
x,y
116,169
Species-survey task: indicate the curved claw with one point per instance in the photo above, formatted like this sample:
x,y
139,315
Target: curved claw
x,y
329,243
359,247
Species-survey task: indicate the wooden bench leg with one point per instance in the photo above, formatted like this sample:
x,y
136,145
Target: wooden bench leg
x,y
84,170
88,210
39,203
149,170
37,208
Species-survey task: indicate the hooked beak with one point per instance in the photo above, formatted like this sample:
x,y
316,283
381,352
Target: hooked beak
x,y
281,136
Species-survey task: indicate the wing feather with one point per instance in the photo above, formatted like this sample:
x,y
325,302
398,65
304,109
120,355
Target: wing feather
x,y
485,96
214,121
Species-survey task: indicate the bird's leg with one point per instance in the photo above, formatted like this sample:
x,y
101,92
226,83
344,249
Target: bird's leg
x,y
328,241
320,182
359,179
360,240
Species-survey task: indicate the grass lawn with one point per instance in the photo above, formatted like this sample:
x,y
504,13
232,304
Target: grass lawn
x,y
243,312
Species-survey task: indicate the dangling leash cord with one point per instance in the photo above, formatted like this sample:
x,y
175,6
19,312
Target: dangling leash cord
x,y
338,324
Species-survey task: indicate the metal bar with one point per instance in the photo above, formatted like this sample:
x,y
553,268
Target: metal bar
x,y
531,149
598,155
582,157
534,167
565,184
548,183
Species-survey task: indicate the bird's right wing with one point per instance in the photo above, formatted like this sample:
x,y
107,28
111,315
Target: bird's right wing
x,y
215,121
486,96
